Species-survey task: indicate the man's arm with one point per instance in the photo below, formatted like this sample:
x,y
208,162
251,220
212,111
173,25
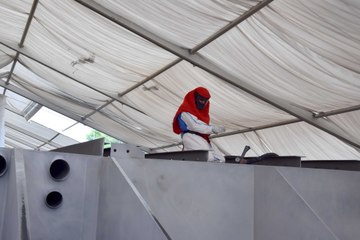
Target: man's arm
x,y
196,125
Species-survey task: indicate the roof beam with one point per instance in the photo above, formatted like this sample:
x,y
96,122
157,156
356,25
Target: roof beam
x,y
240,83
21,44
27,26
336,111
31,110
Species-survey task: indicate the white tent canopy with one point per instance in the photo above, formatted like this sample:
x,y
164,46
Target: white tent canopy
x,y
284,75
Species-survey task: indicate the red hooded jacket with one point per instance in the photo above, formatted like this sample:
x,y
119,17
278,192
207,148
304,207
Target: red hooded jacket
x,y
189,105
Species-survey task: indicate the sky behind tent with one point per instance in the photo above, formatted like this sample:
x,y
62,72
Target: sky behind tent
x,y
62,124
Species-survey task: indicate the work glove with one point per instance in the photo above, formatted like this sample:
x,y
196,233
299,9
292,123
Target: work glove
x,y
218,129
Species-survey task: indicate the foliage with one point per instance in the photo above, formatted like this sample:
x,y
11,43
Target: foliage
x,y
95,134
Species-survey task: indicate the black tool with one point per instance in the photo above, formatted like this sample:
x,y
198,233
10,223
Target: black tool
x,y
241,159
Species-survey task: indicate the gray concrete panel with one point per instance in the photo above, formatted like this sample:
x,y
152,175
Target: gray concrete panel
x,y
75,217
9,214
93,147
349,165
196,200
123,150
122,212
333,195
189,155
280,213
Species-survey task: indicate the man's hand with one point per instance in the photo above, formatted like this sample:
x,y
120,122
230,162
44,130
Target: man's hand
x,y
218,129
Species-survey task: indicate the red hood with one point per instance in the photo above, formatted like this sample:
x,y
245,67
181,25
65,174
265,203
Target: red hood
x,y
188,105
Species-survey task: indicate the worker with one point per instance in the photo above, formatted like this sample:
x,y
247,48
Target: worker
x,y
192,122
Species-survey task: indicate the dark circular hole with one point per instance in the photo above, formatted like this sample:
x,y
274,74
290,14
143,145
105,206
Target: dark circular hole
x,y
115,150
54,199
127,150
59,169
3,165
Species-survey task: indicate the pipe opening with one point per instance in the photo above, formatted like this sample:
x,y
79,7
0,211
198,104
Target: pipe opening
x,y
54,199
3,165
59,169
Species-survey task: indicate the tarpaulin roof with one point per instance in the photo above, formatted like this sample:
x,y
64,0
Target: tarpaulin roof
x,y
284,75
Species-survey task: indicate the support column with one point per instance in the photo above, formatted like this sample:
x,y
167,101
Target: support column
x,y
2,120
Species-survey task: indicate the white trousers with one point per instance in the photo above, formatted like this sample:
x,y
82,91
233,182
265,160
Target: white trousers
x,y
195,142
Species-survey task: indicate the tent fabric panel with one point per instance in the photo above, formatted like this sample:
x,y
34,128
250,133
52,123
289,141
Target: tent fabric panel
x,y
156,101
50,81
122,131
149,128
265,52
184,23
348,121
6,57
19,6
63,140
13,19
328,28
234,144
48,147
16,103
297,139
23,138
304,140
11,143
64,102
37,129
112,60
